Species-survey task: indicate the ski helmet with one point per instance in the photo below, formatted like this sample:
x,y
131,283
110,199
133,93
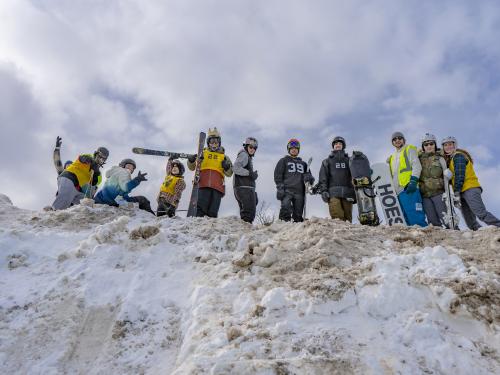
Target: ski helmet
x,y
293,143
339,139
449,139
213,134
124,162
179,165
251,141
101,155
428,137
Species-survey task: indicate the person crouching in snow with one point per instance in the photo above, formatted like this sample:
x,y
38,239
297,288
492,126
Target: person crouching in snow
x,y
244,180
466,186
80,179
120,183
172,188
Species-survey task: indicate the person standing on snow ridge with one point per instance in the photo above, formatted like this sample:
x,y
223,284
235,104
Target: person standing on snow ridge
x,y
172,187
434,175
290,175
80,179
466,186
120,183
244,180
405,170
56,156
335,182
215,165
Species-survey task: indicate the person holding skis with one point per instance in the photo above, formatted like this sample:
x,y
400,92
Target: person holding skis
x,y
120,183
80,179
290,175
466,187
56,156
335,182
405,170
244,180
172,187
434,175
215,166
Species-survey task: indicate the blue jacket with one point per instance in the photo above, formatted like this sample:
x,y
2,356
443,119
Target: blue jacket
x,y
119,182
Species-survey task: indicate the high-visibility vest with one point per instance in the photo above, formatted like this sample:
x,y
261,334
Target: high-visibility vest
x,y
81,171
212,160
405,169
471,180
169,184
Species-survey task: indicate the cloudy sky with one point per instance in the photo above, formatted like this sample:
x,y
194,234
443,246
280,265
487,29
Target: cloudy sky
x,y
153,73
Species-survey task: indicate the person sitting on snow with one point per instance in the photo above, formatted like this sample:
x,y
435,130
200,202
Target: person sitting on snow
x,y
172,187
466,186
405,170
120,183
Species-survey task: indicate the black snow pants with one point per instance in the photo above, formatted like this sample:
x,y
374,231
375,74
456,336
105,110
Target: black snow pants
x,y
292,206
144,203
208,202
247,200
165,208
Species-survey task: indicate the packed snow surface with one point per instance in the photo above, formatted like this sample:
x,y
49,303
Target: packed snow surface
x,y
100,290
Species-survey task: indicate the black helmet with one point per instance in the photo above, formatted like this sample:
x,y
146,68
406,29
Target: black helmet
x,y
179,165
339,139
124,162
101,155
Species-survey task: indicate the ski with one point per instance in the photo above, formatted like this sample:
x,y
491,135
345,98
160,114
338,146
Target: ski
x,y
193,202
387,194
307,187
359,166
147,151
451,219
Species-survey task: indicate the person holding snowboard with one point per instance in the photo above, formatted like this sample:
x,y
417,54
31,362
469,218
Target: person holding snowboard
x,y
80,179
290,175
335,182
466,187
56,156
120,183
172,188
215,166
244,180
405,170
434,175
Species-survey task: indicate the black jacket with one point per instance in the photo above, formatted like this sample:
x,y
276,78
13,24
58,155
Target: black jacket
x,y
335,175
289,174
243,170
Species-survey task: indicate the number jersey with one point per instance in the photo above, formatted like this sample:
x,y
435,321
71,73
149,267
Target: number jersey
x,y
289,173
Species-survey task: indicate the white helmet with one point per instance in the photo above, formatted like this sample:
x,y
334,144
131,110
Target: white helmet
x,y
428,137
449,139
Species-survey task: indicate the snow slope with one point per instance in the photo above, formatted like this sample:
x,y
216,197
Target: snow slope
x,y
99,290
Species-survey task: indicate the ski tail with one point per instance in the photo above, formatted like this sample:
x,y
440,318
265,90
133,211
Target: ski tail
x,y
193,202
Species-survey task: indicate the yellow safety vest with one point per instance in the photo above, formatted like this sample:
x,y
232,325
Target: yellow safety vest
x,y
405,169
81,171
471,180
169,184
213,161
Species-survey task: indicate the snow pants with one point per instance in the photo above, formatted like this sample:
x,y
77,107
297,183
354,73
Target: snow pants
x,y
473,208
247,201
208,202
292,206
144,203
411,204
165,208
67,194
435,208
340,208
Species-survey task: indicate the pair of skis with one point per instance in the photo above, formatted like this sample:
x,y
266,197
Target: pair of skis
x,y
193,201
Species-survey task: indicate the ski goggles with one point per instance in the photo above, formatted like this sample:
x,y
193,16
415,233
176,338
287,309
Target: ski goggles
x,y
430,143
294,144
398,138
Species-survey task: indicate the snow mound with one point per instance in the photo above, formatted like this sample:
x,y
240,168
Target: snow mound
x,y
109,290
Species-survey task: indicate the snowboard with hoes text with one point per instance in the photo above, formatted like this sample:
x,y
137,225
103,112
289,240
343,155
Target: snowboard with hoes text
x,y
451,219
359,165
387,194
307,187
193,201
147,151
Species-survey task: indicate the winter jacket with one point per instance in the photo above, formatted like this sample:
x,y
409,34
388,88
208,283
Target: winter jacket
x,y
211,171
172,187
335,176
243,170
463,175
404,164
431,178
119,182
289,174
80,172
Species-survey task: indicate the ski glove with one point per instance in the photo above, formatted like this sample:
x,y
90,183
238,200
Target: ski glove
x,y
174,155
412,186
226,164
58,142
141,177
325,196
192,158
280,193
254,175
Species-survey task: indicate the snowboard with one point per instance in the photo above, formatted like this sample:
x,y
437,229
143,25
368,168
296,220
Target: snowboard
x,y
147,151
451,219
386,193
308,187
193,201
359,166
